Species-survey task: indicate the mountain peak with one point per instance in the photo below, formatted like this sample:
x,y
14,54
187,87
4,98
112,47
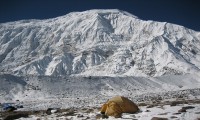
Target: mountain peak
x,y
98,42
109,11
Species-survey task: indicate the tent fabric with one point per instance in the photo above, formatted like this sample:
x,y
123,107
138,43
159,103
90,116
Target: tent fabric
x,y
118,105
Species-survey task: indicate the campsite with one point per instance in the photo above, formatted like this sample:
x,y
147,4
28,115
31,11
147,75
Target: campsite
x,y
80,98
160,110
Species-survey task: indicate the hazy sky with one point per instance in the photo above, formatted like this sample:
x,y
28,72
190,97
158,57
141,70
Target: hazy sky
x,y
182,12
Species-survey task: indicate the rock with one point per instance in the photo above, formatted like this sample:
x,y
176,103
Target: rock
x,y
142,104
182,110
51,110
158,118
197,112
163,113
132,115
87,118
89,110
54,111
174,103
98,116
147,111
177,113
79,116
172,117
48,112
70,113
20,106
15,116
188,107
104,116
185,108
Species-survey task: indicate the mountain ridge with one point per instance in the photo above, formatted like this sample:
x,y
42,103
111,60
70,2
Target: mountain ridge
x,y
98,42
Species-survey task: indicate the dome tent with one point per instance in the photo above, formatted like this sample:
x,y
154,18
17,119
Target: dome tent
x,y
118,105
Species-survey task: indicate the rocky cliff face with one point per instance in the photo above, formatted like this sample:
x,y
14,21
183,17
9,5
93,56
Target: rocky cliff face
x,y
98,42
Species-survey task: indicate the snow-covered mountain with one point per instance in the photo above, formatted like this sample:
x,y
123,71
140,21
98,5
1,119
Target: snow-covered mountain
x,y
98,43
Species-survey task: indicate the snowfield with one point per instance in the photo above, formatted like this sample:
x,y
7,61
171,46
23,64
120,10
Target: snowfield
x,y
76,62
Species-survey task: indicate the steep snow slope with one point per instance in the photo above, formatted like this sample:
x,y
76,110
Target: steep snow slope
x,y
98,42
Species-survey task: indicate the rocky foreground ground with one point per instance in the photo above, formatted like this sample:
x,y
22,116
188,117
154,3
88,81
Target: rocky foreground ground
x,y
157,110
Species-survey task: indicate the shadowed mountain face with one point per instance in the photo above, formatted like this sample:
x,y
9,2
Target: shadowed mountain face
x,y
98,42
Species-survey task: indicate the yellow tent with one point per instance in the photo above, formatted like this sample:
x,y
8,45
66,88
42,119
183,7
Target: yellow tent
x,y
118,105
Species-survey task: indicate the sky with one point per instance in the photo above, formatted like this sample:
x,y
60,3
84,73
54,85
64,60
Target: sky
x,y
181,12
